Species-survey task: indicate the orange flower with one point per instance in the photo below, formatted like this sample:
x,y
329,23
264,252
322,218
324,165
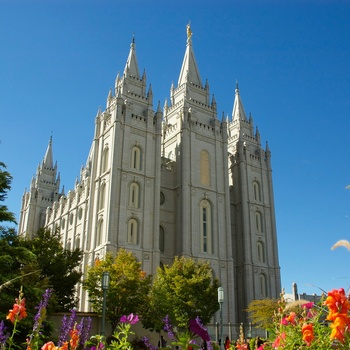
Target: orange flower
x,y
74,338
49,346
18,312
337,301
308,333
64,346
291,318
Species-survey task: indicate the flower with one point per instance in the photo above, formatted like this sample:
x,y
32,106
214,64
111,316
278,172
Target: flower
x,y
3,334
19,310
49,346
308,333
132,319
197,328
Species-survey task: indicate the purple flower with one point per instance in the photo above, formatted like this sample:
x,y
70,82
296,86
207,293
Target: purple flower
x,y
197,328
132,319
3,335
42,305
85,328
148,344
67,325
168,327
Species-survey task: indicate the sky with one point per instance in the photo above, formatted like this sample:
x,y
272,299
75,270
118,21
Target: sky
x,y
291,60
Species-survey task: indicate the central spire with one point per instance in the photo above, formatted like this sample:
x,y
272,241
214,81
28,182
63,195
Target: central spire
x,y
131,67
189,71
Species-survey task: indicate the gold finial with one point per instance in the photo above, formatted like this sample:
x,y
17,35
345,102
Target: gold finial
x,y
189,31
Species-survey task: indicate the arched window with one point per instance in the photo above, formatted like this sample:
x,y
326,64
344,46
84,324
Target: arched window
x,y
136,158
258,222
101,203
69,244
263,286
261,252
132,231
205,226
105,160
161,239
134,195
205,168
257,193
77,242
99,232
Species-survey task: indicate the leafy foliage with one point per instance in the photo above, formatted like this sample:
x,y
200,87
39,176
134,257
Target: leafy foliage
x,y
262,312
184,291
129,287
58,265
5,186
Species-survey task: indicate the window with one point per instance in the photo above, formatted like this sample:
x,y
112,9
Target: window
x,y
205,226
101,203
204,168
77,242
136,158
257,194
258,222
134,195
132,231
263,286
99,232
261,252
161,239
105,160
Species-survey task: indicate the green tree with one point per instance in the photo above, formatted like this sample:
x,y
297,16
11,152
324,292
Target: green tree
x,y
5,186
184,290
58,265
128,290
262,312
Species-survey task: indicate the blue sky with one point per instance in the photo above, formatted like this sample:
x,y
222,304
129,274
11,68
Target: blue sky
x,y
292,62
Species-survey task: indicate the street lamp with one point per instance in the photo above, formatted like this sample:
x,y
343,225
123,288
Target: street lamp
x,y
105,286
221,301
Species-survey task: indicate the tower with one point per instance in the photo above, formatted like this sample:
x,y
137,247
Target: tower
x,y
252,211
43,192
177,182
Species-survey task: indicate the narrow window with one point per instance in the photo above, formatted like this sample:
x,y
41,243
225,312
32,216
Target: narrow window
x,y
205,226
257,195
261,252
263,286
161,239
136,158
101,203
99,233
258,222
132,231
105,160
134,195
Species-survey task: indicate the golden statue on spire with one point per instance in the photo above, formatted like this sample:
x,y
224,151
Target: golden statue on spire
x,y
189,31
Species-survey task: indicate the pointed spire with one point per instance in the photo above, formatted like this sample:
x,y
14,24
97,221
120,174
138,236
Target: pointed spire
x,y
131,67
238,109
189,71
159,110
48,162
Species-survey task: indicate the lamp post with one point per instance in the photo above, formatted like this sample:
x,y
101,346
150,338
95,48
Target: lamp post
x,y
221,301
105,286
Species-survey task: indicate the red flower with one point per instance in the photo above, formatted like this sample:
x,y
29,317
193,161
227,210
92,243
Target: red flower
x,y
18,312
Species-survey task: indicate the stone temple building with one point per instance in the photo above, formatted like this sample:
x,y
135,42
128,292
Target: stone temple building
x,y
165,182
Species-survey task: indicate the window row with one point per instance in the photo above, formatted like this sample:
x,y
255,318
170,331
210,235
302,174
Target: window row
x,y
136,159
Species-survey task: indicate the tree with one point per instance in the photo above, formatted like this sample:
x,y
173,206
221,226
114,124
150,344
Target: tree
x,y
5,185
128,290
262,312
183,291
60,266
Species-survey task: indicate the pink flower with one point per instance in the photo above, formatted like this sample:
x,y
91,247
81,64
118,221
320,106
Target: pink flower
x,y
132,319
